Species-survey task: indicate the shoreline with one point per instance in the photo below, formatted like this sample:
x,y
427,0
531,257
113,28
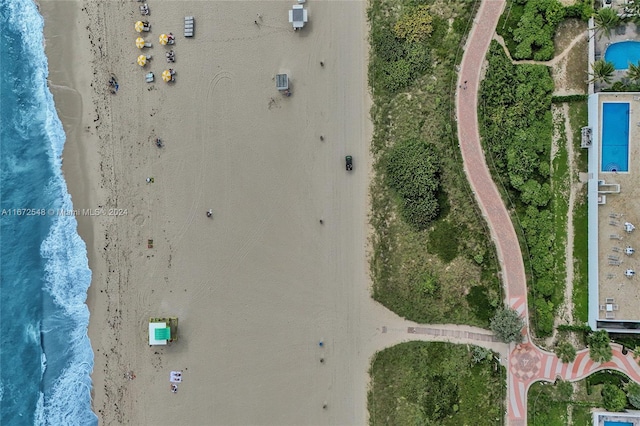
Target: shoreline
x,y
224,278
70,75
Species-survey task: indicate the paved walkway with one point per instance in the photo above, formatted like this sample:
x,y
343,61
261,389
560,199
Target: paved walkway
x,y
526,362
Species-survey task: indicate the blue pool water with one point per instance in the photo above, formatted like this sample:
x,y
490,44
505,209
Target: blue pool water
x,y
623,53
45,354
615,137
610,423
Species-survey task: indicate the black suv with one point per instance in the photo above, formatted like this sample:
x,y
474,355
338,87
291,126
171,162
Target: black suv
x,y
349,160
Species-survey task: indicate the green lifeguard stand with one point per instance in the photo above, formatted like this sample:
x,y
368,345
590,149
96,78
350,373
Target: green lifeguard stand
x,y
162,331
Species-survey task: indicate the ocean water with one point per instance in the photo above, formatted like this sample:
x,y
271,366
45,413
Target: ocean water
x,y
45,354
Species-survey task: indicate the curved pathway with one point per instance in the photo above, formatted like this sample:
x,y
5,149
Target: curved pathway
x,y
526,362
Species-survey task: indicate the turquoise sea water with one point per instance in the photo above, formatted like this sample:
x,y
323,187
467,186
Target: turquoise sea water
x,y
45,354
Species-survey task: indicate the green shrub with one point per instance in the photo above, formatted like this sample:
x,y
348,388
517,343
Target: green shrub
x,y
633,393
517,128
613,398
566,352
582,10
507,325
569,98
536,29
413,173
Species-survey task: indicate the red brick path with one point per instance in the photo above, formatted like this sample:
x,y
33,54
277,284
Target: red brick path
x,y
526,363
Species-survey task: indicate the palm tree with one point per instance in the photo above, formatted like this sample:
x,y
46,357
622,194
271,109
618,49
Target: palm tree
x,y
602,71
606,19
633,73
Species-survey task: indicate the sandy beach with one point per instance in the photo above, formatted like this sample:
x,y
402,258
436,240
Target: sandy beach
x,y
258,286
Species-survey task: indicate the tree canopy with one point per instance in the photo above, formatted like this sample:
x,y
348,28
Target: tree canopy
x,y
613,398
633,393
507,325
566,352
600,346
602,71
605,20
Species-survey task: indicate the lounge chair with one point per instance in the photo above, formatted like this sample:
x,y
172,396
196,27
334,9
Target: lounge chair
x,y
149,77
189,23
144,9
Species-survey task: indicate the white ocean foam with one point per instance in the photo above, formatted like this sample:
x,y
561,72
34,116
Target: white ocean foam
x,y
38,417
67,401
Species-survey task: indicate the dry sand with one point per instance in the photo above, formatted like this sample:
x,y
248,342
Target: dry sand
x,y
257,287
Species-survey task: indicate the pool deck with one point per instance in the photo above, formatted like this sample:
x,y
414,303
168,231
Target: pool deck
x,y
632,417
620,208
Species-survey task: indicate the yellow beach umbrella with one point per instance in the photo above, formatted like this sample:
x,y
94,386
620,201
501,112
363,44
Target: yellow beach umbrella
x,y
166,75
139,26
164,39
142,60
139,42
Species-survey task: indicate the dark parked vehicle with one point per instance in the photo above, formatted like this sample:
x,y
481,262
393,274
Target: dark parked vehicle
x,y
349,160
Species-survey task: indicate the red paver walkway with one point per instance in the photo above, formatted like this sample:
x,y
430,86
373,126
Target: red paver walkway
x,y
526,362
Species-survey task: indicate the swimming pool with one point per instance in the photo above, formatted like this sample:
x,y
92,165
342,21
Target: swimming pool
x,y
623,53
611,423
615,137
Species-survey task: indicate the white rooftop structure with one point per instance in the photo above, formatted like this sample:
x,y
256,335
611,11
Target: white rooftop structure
x,y
298,16
153,326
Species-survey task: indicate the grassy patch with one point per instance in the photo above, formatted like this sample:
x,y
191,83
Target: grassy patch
x,y
578,118
424,273
508,22
576,67
434,383
549,404
560,206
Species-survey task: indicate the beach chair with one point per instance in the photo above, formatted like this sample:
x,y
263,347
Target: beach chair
x,y
189,27
149,77
144,9
150,244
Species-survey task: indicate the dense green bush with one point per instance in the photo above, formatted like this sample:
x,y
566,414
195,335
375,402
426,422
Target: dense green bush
x,y
566,352
517,128
569,98
633,393
413,173
537,28
613,398
507,325
581,10
399,50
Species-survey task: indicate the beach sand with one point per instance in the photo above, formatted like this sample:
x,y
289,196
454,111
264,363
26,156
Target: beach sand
x,y
258,286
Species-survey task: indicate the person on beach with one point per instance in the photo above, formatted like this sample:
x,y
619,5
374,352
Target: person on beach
x,y
209,213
